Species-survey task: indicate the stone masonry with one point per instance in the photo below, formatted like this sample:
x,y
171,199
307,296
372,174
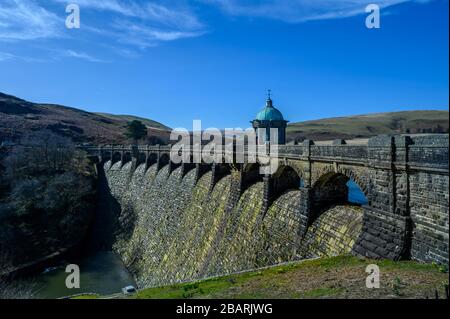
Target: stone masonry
x,y
405,180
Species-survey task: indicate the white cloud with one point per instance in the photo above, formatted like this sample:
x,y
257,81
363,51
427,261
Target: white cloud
x,y
137,23
81,55
25,20
141,24
296,11
6,56
143,35
147,11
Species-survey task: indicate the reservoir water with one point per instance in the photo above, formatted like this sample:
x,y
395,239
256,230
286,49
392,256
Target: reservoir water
x,y
101,273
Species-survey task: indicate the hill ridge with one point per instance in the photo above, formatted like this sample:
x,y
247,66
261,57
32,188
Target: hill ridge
x,y
19,116
370,124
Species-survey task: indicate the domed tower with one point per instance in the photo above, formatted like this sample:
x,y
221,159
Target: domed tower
x,y
268,118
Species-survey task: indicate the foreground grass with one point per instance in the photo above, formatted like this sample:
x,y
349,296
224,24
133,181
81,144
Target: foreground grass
x,y
336,277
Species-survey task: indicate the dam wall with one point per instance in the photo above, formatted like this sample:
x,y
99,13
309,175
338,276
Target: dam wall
x,y
174,228
178,222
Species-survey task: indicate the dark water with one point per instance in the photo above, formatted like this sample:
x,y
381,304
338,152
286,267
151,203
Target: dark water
x,y
102,273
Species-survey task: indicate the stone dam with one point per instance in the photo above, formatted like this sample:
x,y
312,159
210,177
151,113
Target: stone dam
x,y
180,222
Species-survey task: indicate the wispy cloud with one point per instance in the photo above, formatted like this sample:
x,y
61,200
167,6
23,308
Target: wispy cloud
x,y
144,36
142,24
6,56
129,24
26,20
296,11
147,11
82,56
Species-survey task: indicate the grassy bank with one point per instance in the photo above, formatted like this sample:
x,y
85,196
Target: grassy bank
x,y
337,277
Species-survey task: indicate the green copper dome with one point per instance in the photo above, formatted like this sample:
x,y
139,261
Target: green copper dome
x,y
269,113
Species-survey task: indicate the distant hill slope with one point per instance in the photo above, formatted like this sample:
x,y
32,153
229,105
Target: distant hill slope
x,y
18,116
368,125
129,118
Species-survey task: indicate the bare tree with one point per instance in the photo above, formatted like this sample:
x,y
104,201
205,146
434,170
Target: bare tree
x,y
46,204
43,152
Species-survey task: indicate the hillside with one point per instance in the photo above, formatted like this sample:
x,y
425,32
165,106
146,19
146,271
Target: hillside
x,y
361,126
128,118
18,116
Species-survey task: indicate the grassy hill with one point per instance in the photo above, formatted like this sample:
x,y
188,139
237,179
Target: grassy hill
x,y
361,126
18,116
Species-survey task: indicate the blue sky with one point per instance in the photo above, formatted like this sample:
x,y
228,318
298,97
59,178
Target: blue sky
x,y
175,61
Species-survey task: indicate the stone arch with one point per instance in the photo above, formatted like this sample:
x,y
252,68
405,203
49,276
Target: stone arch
x,y
201,169
151,159
104,157
163,160
250,175
286,177
141,158
219,171
356,178
330,189
116,157
247,167
296,166
348,172
187,167
126,157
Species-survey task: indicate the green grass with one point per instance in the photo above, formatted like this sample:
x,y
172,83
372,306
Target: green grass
x,y
279,282
334,277
321,292
190,290
87,296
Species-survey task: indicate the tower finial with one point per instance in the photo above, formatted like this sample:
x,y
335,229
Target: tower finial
x,y
269,98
